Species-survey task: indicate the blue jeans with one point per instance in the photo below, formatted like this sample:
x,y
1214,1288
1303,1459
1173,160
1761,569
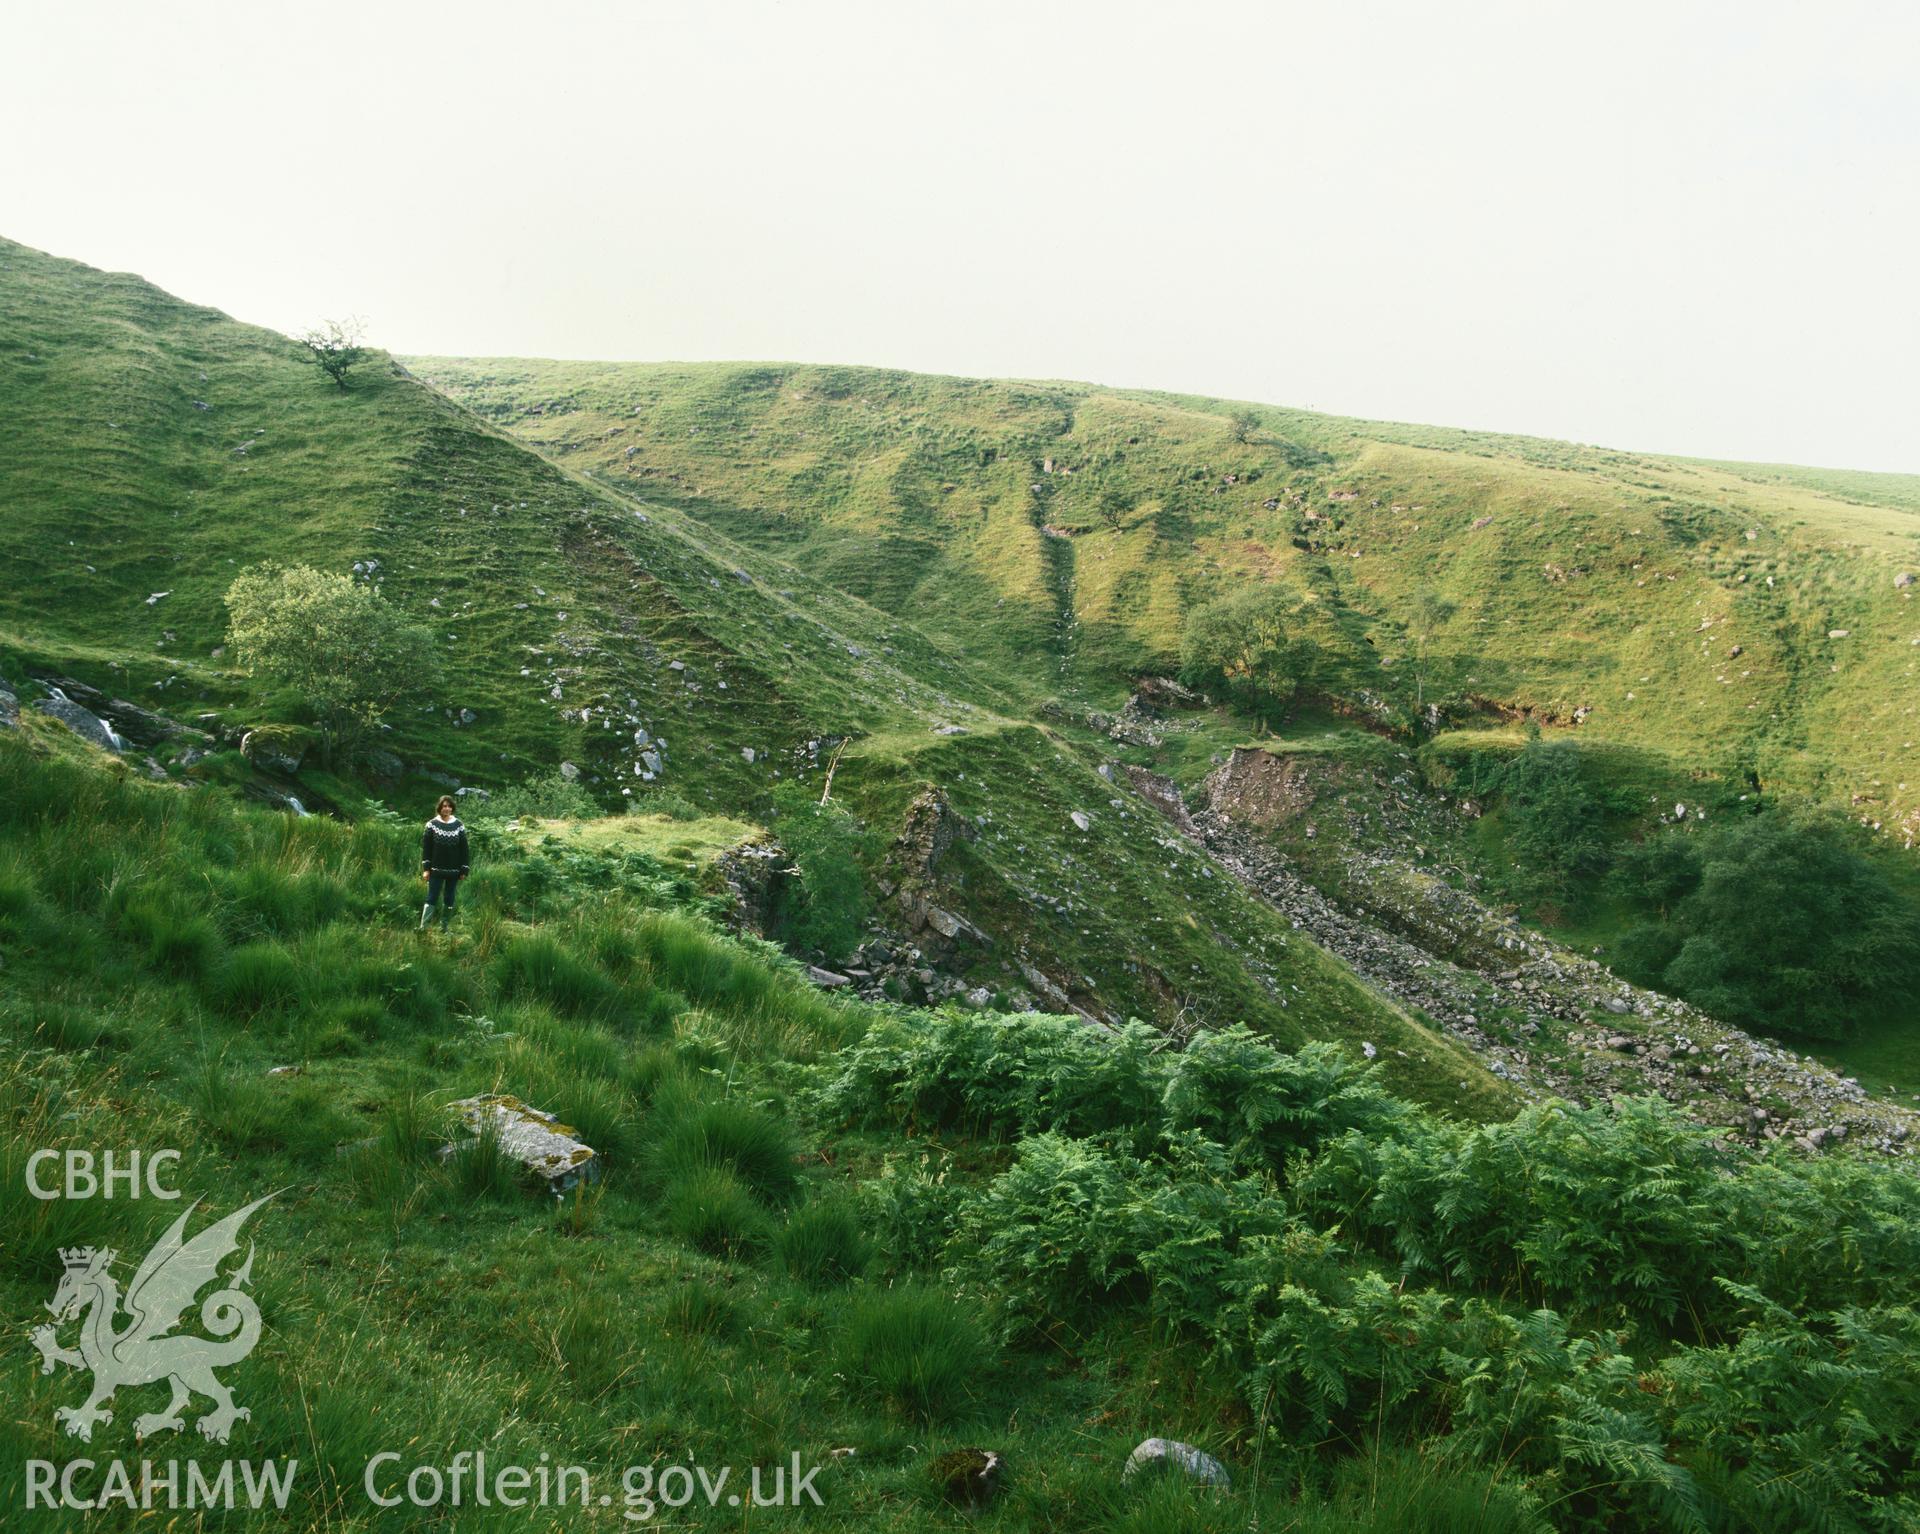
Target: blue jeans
x,y
441,888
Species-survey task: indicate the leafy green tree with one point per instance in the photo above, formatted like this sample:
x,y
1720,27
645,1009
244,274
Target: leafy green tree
x,y
1242,424
1248,646
336,347
1658,873
1556,824
1788,925
347,651
828,846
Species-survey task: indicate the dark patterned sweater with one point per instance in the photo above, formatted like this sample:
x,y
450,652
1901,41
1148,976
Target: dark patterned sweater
x,y
443,847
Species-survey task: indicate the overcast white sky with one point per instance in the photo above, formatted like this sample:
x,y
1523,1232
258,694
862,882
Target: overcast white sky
x,y
1681,226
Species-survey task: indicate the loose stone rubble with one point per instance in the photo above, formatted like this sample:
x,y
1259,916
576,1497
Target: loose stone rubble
x,y
1546,1020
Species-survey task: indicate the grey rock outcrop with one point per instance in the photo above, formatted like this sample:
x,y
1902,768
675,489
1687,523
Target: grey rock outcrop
x,y
536,1140
82,722
931,829
270,753
140,725
753,874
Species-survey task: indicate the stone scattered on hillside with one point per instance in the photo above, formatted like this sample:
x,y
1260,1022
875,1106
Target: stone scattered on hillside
x,y
1903,580
158,597
948,925
79,720
9,708
536,1140
1081,820
827,979
1838,633
1162,1454
1049,989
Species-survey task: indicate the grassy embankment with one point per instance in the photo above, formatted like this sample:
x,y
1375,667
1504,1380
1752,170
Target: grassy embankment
x,y
826,1225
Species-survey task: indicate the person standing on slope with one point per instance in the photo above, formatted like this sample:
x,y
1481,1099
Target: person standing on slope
x,y
443,860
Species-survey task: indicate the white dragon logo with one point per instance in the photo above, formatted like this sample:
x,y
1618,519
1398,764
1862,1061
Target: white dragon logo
x,y
142,1352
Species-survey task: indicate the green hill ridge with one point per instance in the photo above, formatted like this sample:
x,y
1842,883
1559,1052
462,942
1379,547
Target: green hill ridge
x,y
1747,619
1223,1191
573,622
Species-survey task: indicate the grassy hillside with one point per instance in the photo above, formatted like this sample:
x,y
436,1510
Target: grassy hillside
x,y
825,1227
1738,618
862,1234
573,620
156,447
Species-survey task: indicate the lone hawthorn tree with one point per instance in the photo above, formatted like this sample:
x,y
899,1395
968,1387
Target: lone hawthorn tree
x,y
337,347
1250,646
1242,424
349,652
